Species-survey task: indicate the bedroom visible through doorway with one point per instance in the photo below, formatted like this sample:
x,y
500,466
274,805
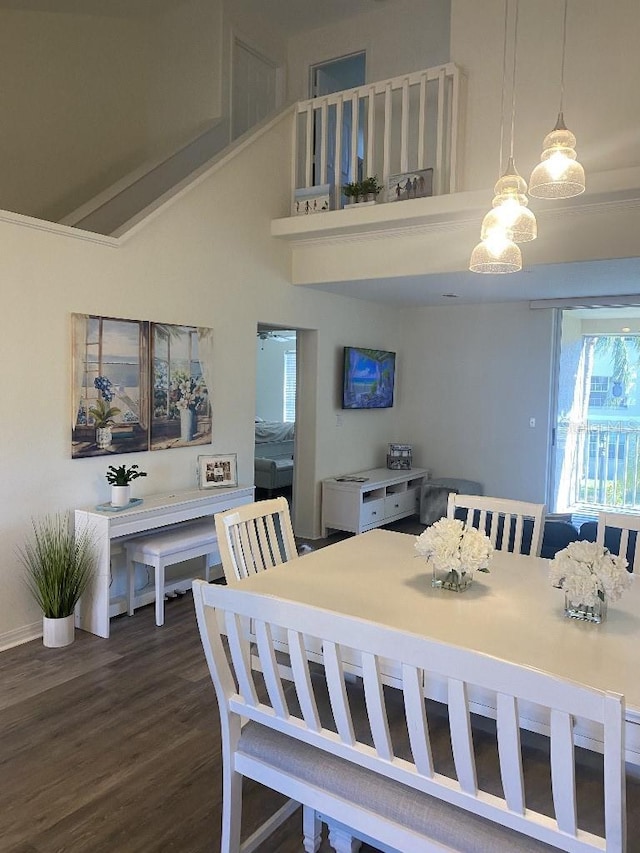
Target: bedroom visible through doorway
x,y
275,414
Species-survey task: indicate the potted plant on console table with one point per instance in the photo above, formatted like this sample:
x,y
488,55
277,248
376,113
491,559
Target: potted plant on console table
x,y
59,563
120,479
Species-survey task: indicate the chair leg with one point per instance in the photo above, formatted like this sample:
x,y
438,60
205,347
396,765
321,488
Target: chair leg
x,y
341,839
160,594
311,829
231,809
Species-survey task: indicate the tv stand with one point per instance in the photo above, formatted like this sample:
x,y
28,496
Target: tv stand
x,y
380,497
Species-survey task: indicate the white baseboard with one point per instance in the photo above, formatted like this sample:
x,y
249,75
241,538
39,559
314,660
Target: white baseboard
x,y
20,635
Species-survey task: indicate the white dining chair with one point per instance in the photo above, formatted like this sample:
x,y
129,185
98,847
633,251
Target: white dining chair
x,y
503,521
610,523
255,537
252,538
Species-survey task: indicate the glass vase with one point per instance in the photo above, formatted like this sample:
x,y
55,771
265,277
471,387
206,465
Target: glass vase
x,y
587,613
455,580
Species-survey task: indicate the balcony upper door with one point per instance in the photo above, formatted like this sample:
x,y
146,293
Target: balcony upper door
x,y
336,75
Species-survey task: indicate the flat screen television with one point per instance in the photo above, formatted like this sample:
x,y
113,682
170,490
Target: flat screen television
x,y
369,377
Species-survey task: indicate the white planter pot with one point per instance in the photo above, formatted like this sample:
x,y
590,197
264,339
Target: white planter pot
x,y
58,632
120,495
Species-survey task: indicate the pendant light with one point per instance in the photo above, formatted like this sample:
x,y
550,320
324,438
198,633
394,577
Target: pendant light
x,y
558,175
510,221
510,208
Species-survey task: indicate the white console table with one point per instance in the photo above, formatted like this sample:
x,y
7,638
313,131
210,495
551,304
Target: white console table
x,y
92,612
384,496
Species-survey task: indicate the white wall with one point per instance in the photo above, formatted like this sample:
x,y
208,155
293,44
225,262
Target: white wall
x,y
206,259
475,377
88,98
600,106
405,35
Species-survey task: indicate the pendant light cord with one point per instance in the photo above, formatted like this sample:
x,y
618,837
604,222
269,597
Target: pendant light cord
x,y
504,83
564,46
513,90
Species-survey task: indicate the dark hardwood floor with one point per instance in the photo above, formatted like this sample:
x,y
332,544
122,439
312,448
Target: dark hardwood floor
x,y
114,745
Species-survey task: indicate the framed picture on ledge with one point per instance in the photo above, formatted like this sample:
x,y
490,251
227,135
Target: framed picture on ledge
x,y
217,471
418,184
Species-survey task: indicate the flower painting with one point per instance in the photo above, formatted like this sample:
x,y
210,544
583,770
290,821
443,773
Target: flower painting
x,y
139,386
110,386
180,361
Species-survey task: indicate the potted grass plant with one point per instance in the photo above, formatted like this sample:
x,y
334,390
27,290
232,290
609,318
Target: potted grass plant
x,y
59,565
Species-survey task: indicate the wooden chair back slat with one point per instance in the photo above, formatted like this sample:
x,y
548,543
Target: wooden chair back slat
x,y
509,752
376,710
563,780
417,725
461,739
240,655
506,520
302,679
270,671
337,692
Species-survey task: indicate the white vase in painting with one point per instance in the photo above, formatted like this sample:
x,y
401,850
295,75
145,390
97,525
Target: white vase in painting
x,y
103,437
120,495
187,424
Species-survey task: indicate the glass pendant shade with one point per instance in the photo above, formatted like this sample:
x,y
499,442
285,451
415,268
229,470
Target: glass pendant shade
x,y
510,214
558,175
496,254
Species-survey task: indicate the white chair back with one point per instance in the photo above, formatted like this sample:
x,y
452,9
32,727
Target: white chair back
x,y
625,524
366,726
502,520
255,537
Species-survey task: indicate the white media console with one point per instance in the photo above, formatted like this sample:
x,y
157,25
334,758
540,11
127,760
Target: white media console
x,y
381,497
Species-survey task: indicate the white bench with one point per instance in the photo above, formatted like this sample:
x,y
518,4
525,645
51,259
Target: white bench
x,y
167,548
382,762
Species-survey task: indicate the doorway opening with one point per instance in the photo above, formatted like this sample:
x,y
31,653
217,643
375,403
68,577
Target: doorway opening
x,y
326,78
595,459
275,412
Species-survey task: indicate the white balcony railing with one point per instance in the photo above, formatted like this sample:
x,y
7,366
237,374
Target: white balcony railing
x,y
391,127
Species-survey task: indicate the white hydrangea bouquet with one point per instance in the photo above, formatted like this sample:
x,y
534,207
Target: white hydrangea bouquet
x,y
590,577
455,552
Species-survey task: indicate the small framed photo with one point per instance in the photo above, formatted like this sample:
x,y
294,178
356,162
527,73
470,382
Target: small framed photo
x,y
418,184
217,471
311,200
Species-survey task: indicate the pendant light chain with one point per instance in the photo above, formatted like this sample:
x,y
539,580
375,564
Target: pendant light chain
x,y
504,86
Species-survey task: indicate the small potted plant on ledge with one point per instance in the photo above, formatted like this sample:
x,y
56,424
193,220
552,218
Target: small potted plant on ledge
x,y
369,189
352,192
362,192
120,478
60,564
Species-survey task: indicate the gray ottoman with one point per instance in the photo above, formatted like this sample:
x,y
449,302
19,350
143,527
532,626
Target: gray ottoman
x,y
435,494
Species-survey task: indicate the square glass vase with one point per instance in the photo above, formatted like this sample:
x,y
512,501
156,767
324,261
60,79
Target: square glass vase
x,y
453,580
585,612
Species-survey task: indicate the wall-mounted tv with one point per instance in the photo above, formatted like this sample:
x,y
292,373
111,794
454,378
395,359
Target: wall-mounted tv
x,y
369,376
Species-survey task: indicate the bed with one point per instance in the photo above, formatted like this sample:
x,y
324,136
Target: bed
x,y
274,445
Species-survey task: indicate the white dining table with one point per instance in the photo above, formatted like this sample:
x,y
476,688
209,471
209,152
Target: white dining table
x,y
513,612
